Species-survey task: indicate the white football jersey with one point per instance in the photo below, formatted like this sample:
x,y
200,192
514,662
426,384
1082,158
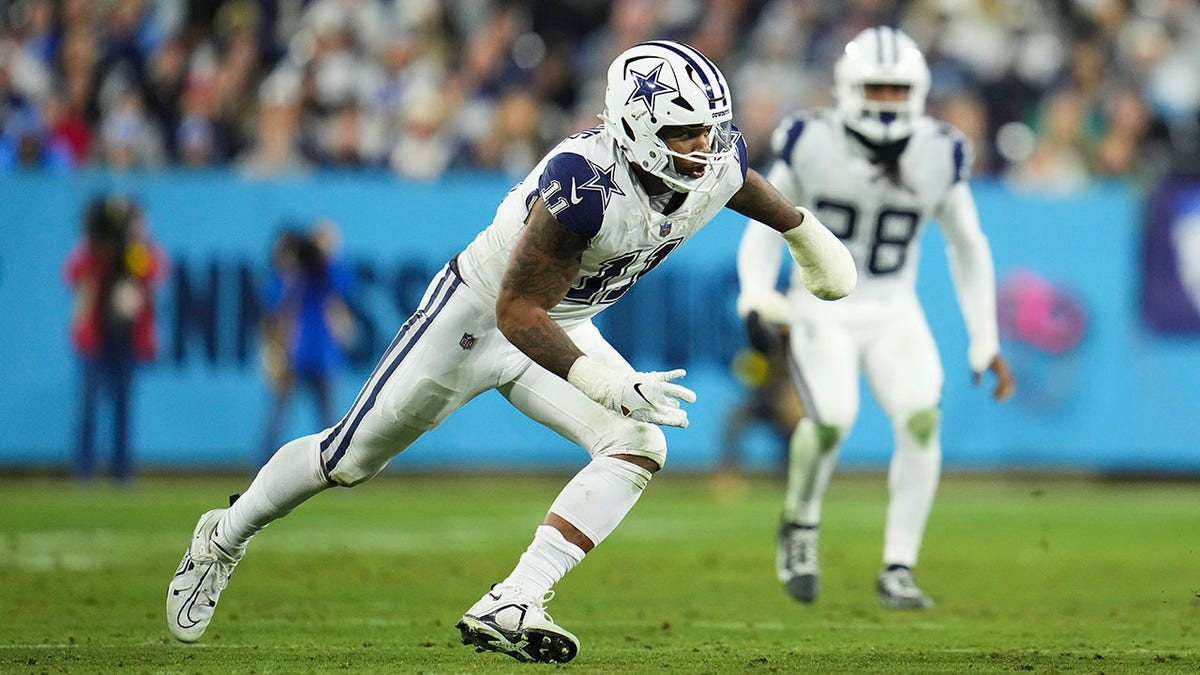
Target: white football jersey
x,y
880,219
823,167
590,188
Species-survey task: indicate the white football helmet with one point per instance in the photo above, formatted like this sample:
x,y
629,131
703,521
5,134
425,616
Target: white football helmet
x,y
881,55
662,83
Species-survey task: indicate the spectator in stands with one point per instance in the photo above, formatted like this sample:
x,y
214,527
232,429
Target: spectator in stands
x,y
113,272
499,66
425,147
276,147
129,139
1058,163
1127,122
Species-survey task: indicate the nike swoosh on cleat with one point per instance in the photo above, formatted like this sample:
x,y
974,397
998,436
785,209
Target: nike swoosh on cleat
x,y
185,612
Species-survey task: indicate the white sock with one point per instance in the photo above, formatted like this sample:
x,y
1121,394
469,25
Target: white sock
x,y
545,562
810,467
292,476
912,482
599,496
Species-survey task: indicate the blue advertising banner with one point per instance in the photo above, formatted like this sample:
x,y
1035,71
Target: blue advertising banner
x,y
1095,391
1171,257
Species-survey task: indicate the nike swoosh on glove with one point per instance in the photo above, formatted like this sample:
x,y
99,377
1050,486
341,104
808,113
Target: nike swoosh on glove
x,y
650,397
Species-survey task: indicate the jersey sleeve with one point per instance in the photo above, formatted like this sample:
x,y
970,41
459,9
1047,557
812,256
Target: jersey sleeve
x,y
962,154
739,142
973,273
783,173
786,135
577,192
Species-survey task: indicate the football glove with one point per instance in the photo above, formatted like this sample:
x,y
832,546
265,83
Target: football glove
x,y
826,266
647,397
765,312
770,304
764,336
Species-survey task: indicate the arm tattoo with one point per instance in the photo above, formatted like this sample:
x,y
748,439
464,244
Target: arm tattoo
x,y
758,199
544,264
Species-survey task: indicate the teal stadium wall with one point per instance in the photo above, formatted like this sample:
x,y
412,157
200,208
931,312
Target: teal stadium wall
x,y
1122,399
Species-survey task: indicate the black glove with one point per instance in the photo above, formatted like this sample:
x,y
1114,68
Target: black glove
x,y
764,336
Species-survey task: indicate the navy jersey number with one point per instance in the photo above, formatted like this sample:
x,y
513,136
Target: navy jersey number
x,y
599,289
894,230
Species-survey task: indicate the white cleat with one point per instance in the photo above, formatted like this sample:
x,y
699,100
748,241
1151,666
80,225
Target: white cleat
x,y
796,561
202,575
898,590
507,621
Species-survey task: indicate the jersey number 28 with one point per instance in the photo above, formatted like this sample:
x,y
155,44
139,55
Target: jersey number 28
x,y
894,230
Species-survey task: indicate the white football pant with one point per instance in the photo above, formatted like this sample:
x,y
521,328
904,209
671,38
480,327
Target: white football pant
x,y
447,353
897,353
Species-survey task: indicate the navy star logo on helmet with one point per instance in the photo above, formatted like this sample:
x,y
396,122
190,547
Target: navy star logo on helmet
x,y
647,86
604,181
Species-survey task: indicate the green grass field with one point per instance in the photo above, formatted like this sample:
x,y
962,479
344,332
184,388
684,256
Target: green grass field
x,y
1033,574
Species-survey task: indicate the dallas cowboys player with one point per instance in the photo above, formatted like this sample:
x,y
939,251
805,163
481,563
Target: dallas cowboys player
x,y
875,169
512,312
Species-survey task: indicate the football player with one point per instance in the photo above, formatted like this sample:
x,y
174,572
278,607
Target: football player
x,y
875,169
512,312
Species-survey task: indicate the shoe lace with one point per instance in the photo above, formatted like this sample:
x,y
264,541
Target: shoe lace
x,y
540,603
223,567
903,581
802,549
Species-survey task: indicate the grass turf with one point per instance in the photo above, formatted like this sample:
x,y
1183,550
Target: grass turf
x,y
1041,574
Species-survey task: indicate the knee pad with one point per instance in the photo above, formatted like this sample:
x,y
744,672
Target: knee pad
x,y
828,437
349,474
923,425
425,406
633,438
825,436
370,451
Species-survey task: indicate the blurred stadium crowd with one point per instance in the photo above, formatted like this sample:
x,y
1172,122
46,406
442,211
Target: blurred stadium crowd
x,y
1054,92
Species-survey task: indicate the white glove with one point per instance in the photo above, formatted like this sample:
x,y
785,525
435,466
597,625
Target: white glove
x,y
646,397
826,266
771,305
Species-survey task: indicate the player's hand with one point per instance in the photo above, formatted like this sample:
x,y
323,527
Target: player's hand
x,y
1005,384
770,304
764,336
647,397
765,312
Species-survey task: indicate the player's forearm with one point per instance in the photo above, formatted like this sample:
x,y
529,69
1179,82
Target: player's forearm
x,y
975,285
761,201
530,329
973,273
544,263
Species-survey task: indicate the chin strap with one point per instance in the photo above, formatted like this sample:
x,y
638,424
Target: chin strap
x,y
881,153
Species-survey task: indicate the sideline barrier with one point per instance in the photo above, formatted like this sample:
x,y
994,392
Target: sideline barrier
x,y
1117,398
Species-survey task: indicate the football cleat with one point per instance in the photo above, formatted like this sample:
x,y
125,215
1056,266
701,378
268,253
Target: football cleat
x,y
511,622
202,575
796,561
898,590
